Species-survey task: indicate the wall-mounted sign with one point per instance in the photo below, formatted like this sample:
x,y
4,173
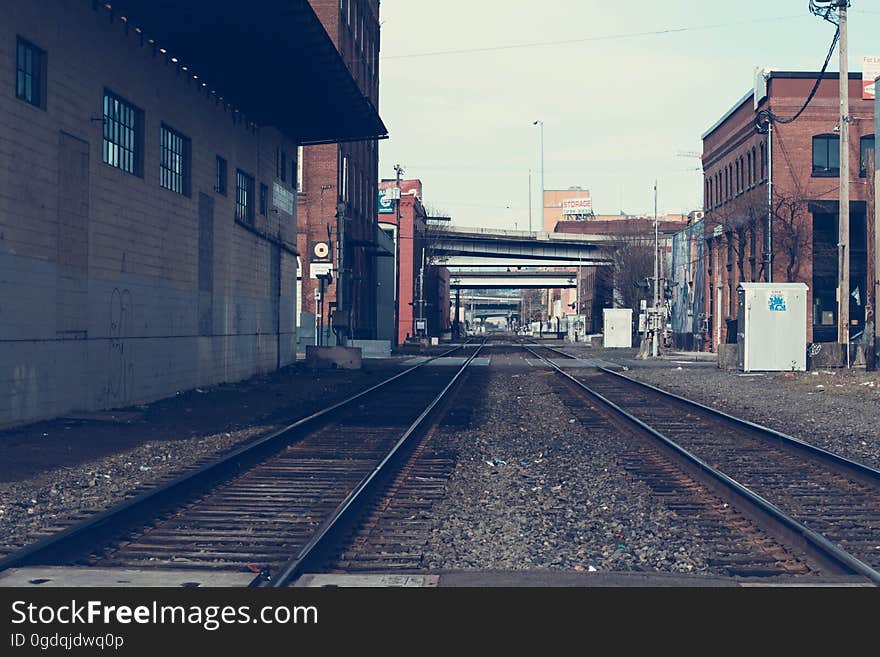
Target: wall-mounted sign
x,y
386,203
577,206
320,252
317,269
282,198
870,72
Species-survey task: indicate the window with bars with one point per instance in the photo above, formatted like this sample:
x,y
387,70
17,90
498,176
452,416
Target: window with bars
x,y
220,176
123,129
866,144
174,166
30,73
244,196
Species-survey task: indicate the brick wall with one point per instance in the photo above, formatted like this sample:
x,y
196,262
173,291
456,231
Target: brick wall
x,y
736,171
114,290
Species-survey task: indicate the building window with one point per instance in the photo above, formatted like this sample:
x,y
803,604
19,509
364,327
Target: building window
x,y
826,155
244,197
220,176
123,129
174,149
264,199
866,144
30,73
749,168
345,179
754,167
299,169
763,164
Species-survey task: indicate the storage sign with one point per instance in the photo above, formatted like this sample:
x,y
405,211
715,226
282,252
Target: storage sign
x,y
577,206
777,302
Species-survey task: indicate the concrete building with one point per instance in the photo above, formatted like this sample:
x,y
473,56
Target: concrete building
x,y
803,210
147,227
337,189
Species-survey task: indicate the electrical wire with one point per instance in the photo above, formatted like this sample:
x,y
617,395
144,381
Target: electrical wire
x,y
766,116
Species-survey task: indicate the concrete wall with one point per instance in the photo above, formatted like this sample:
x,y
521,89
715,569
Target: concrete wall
x,y
114,290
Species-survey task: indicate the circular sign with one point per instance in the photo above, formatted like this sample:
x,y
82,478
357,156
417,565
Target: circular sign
x,y
321,249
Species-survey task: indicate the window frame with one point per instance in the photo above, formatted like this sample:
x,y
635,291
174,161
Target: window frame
x,y
37,74
863,160
827,172
169,178
244,197
221,175
264,199
135,133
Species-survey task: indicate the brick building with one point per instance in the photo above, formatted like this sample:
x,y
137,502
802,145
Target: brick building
x,y
804,205
147,226
344,175
613,286
422,289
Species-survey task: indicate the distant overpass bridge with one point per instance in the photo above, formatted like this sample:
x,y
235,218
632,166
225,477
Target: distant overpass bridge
x,y
506,280
483,247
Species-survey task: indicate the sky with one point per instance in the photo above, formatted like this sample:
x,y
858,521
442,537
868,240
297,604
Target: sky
x,y
461,83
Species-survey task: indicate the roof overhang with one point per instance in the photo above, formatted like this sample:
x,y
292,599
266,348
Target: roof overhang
x,y
272,59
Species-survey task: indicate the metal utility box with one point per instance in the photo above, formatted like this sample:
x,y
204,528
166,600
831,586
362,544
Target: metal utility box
x,y
772,327
617,329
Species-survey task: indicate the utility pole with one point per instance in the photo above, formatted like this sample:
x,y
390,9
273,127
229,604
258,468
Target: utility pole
x,y
769,239
541,123
530,200
398,172
656,323
843,213
870,340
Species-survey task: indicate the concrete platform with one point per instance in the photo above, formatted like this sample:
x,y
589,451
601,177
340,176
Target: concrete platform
x,y
561,579
57,576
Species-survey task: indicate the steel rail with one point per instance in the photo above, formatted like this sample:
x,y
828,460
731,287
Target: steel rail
x,y
345,513
813,538
103,526
860,469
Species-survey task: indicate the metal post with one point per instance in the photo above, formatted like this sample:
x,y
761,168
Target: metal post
x,y
541,123
843,222
871,291
530,200
769,240
656,323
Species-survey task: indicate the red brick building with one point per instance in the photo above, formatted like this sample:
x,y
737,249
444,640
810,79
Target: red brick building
x,y
803,210
343,176
422,289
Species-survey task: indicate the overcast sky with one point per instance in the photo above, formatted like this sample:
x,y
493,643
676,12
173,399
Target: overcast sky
x,y
618,105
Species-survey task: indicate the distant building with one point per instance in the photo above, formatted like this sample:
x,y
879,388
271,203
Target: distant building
x,y
564,204
343,175
147,223
804,206
610,286
422,288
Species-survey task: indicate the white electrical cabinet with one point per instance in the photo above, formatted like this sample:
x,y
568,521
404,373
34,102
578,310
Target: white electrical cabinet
x,y
617,333
772,327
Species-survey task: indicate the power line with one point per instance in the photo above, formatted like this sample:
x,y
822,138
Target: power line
x,y
603,37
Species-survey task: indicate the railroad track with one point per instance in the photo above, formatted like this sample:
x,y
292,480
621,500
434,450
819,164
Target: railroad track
x,y
825,505
272,505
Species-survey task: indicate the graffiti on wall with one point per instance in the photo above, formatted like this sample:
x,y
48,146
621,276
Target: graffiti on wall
x,y
118,387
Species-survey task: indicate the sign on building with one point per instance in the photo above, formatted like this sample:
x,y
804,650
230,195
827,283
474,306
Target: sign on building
x,y
577,206
386,201
870,72
282,198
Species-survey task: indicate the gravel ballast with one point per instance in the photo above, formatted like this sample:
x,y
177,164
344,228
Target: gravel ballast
x,y
833,409
535,489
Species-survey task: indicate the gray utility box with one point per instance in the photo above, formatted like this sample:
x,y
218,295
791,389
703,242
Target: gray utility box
x,y
772,327
617,333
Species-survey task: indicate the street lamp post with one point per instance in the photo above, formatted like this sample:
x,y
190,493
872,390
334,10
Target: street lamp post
x,y
541,123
